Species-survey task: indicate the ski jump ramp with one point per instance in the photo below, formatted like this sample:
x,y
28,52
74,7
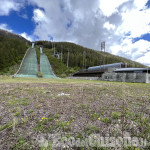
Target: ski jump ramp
x,y
29,66
45,67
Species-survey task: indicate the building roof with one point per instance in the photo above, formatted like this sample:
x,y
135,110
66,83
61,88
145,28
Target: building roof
x,y
105,66
131,69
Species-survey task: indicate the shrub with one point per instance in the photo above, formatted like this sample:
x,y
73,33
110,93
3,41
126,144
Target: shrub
x,y
40,75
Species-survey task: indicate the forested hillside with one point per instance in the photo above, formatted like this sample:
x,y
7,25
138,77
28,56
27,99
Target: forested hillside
x,y
13,48
12,51
12,35
93,57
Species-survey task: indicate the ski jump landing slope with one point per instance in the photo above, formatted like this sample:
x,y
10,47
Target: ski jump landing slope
x,y
45,67
28,67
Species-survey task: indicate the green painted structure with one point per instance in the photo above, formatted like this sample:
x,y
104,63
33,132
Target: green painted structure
x,y
45,67
29,66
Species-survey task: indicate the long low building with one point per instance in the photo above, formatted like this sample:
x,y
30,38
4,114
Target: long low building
x,y
116,72
97,71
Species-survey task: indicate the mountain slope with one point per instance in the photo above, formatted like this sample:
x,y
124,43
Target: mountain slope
x,y
12,35
12,50
93,57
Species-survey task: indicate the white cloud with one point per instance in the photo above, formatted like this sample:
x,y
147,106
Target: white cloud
x,y
145,59
136,51
135,22
25,16
140,4
26,36
8,5
5,27
88,23
109,26
108,7
77,21
39,16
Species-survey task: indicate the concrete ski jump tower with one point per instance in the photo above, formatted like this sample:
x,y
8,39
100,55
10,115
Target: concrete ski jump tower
x,y
32,45
41,50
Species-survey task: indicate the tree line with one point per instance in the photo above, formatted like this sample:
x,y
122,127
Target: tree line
x,y
12,51
82,57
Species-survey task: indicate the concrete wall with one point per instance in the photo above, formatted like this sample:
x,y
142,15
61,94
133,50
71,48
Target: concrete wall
x,y
147,78
84,78
122,77
127,77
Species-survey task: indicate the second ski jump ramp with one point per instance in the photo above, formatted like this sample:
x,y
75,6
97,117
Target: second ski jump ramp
x,y
45,67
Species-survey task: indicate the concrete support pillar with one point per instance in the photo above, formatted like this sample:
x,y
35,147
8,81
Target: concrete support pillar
x,y
41,50
134,77
32,45
147,78
124,77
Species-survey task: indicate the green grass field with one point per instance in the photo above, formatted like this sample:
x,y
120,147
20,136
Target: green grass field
x,y
33,110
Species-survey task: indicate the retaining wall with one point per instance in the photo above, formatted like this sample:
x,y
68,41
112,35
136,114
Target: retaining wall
x,y
127,77
84,78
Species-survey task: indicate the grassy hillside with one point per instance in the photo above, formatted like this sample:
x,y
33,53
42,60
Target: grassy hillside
x,y
93,57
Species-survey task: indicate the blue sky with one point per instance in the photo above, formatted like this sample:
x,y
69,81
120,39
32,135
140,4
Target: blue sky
x,y
20,21
123,24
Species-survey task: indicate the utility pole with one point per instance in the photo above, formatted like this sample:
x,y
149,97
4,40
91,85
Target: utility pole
x,y
84,60
54,49
68,59
41,50
52,45
61,52
33,45
101,56
103,49
147,78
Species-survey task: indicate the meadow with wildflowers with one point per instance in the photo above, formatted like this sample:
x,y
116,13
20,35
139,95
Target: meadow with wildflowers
x,y
33,107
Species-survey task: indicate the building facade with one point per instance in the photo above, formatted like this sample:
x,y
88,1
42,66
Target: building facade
x,y
126,77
